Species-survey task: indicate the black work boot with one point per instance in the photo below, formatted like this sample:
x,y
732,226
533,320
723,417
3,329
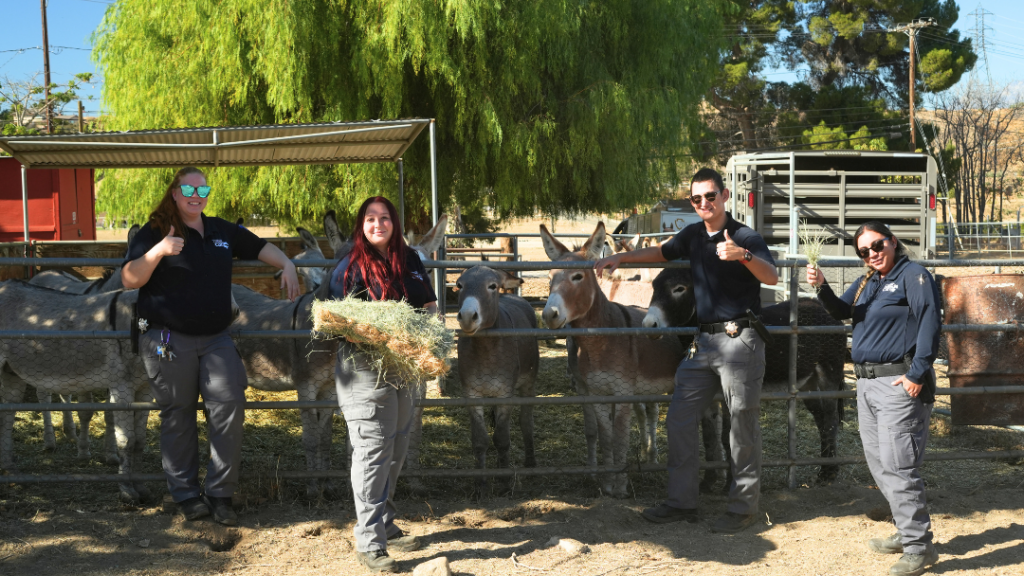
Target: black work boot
x,y
914,564
402,542
223,513
731,523
376,561
663,514
891,545
194,508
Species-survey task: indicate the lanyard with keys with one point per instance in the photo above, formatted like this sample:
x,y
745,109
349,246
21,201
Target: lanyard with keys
x,y
163,350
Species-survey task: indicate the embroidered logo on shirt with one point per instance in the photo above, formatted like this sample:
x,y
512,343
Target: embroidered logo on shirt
x,y
920,279
220,244
890,287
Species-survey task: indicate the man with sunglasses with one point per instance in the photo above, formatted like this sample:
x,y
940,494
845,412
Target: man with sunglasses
x,y
729,262
895,307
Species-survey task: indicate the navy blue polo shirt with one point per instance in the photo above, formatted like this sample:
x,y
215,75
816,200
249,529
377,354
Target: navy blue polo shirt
x,y
417,286
723,290
895,316
191,291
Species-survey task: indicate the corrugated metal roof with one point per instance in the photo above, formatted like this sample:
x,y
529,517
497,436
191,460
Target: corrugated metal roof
x,y
325,143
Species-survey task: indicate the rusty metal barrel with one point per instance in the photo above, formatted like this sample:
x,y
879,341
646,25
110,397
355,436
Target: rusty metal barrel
x,y
986,358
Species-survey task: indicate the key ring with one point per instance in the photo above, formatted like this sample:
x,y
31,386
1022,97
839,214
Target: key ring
x,y
165,336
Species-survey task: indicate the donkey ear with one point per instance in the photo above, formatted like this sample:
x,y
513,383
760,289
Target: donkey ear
x,y
308,240
593,247
432,240
552,247
132,232
334,236
511,282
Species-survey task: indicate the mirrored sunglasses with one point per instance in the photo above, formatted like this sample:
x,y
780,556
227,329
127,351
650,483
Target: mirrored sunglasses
x,y
696,198
187,191
877,246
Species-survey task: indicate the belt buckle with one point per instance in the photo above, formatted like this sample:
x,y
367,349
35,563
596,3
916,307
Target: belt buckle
x,y
732,328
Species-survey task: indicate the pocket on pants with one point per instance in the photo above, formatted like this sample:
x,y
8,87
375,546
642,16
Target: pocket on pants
x,y
364,429
906,444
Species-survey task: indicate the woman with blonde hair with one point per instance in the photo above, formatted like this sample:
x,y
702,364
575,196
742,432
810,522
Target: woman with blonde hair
x,y
895,307
181,263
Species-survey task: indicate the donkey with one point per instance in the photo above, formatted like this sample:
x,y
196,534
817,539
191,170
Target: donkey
x,y
820,357
496,367
607,365
73,366
63,281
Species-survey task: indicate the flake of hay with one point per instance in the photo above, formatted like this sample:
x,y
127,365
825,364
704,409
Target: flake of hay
x,y
399,340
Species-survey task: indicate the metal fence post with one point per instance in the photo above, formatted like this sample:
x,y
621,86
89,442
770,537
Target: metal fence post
x,y
794,301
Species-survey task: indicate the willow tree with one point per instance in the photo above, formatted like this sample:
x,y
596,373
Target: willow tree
x,y
561,106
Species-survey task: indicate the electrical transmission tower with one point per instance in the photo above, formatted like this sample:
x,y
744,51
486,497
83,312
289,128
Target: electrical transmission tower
x,y
979,37
911,31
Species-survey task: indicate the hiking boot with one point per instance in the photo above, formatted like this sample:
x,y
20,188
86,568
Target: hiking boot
x,y
914,564
663,514
731,523
891,545
194,508
223,513
376,561
402,542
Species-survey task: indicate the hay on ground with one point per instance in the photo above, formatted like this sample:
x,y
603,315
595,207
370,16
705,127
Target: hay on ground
x,y
399,340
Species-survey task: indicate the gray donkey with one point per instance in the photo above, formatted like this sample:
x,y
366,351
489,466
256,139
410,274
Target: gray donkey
x,y
73,366
496,367
65,282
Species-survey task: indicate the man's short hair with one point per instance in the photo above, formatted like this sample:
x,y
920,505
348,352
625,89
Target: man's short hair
x,y
708,174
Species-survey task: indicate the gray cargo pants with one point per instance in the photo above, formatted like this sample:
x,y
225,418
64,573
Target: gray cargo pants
x,y
736,365
207,365
894,431
378,416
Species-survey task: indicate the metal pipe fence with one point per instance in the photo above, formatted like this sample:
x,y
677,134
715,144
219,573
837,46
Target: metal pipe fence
x,y
792,396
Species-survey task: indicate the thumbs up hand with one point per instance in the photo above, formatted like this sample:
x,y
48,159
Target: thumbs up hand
x,y
728,250
171,245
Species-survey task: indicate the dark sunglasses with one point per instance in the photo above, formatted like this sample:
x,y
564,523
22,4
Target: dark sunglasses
x,y
877,246
187,191
696,198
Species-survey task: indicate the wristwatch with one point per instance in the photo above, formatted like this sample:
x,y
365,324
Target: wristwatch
x,y
747,256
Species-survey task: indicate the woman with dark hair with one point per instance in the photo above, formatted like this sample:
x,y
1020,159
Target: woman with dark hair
x,y
181,263
377,407
895,309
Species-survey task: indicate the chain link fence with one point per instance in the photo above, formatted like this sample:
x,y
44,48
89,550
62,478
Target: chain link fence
x,y
62,353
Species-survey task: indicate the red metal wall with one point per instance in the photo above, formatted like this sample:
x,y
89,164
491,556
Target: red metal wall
x,y
61,203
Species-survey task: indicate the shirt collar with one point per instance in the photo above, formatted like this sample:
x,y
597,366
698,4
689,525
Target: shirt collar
x,y
897,269
210,226
730,225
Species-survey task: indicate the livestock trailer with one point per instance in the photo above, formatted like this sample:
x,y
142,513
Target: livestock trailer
x,y
835,190
61,203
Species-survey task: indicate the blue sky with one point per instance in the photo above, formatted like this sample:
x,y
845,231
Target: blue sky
x,y
71,22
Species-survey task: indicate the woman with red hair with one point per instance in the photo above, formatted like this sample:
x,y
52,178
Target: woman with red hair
x,y
377,407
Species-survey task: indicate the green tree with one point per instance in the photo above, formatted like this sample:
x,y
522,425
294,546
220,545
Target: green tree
x,y
855,72
557,106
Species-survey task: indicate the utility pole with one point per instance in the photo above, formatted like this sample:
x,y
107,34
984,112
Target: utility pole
x,y
46,72
81,113
911,31
979,37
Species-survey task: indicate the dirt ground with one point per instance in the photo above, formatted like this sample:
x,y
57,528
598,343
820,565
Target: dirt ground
x,y
808,531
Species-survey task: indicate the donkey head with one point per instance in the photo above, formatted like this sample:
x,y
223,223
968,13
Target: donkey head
x,y
479,293
312,276
672,303
572,291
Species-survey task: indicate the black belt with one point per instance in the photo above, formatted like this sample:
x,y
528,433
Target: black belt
x,y
720,327
871,371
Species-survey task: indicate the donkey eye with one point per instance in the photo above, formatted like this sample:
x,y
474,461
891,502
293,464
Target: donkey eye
x,y
679,289
492,287
577,277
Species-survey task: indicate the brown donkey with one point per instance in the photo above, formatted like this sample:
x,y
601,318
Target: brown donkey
x,y
608,365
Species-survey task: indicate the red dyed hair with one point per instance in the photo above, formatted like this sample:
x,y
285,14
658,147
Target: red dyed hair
x,y
376,270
